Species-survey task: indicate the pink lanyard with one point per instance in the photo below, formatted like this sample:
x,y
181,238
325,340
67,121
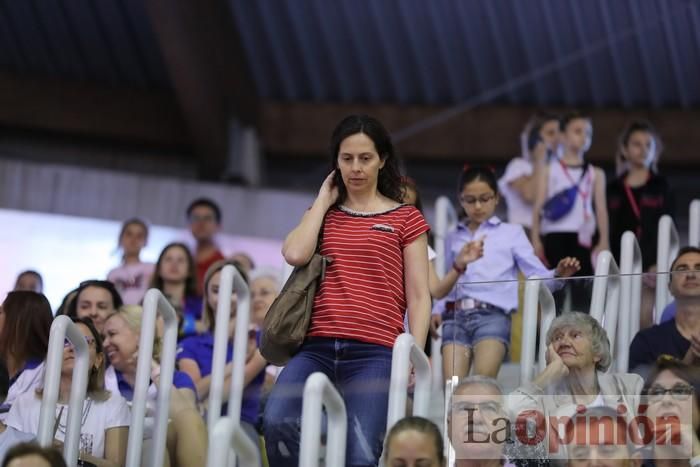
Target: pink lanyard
x,y
635,207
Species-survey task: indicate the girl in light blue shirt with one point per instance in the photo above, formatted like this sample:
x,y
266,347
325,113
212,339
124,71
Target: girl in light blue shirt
x,y
476,316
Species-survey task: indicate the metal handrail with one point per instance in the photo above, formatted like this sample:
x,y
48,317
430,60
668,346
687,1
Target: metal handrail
x,y
63,328
231,280
154,303
227,435
445,220
536,292
605,299
630,297
405,353
694,223
319,392
668,244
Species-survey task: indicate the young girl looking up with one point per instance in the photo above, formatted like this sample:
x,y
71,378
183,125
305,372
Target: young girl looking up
x,y
574,232
476,320
131,276
637,198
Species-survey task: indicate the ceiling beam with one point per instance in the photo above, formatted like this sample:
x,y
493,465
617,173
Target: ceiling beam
x,y
204,56
488,134
96,111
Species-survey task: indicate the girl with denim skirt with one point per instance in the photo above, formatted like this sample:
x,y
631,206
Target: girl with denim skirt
x,y
476,316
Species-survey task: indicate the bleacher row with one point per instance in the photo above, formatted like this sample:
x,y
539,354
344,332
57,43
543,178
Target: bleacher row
x,y
615,304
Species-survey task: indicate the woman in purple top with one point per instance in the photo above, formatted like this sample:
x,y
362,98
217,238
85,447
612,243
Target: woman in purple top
x,y
195,353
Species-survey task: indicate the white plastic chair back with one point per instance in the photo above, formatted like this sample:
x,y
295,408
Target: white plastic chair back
x,y
630,298
154,304
405,353
320,392
63,328
668,244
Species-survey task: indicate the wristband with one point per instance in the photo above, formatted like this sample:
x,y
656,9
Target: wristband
x,y
459,270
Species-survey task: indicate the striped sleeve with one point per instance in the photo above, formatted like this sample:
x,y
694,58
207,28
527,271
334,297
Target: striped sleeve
x,y
414,226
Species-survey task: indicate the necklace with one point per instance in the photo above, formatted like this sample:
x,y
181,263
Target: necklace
x,y
86,411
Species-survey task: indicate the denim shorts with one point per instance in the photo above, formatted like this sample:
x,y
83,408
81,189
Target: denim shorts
x,y
468,327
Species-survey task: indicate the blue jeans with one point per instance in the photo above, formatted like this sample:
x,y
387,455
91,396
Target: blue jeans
x,y
360,372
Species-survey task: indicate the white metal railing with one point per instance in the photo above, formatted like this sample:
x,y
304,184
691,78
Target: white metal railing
x,y
231,280
154,303
667,248
694,223
63,328
630,298
445,220
227,435
405,353
536,293
319,392
605,299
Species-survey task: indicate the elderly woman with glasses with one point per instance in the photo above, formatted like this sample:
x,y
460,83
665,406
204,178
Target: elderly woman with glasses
x,y
105,416
575,378
672,392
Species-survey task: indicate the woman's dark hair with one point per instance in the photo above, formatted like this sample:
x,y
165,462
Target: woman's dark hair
x,y
421,425
407,183
478,173
100,284
4,381
569,117
191,281
389,180
65,305
25,334
51,455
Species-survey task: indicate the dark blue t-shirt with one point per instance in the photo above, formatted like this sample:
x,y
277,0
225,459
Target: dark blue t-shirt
x,y
180,380
200,348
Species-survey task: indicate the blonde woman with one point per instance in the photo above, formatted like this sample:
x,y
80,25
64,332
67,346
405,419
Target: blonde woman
x,y
187,440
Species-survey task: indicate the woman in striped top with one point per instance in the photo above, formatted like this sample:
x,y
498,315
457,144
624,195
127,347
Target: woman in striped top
x,y
379,272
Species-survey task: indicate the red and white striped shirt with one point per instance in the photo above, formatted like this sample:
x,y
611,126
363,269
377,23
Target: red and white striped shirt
x,y
362,296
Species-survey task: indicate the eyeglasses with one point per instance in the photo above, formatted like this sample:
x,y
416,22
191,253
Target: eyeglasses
x,y
679,392
88,339
472,200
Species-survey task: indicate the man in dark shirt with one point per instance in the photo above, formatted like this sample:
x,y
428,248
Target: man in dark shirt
x,y
674,337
